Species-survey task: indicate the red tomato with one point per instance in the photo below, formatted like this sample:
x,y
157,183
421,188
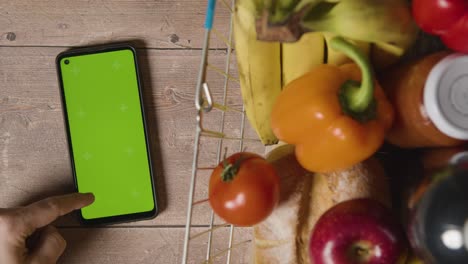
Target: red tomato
x,y
250,196
457,38
437,16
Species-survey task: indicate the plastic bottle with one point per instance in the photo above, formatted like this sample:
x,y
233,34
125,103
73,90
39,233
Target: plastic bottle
x,y
438,209
430,97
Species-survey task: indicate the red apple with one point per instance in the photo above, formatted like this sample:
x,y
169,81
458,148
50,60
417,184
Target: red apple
x,y
357,231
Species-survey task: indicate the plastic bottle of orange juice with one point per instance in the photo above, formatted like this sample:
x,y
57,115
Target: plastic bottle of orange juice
x,y
430,97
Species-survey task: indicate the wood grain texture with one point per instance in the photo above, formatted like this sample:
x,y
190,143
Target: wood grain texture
x,y
34,160
161,23
147,246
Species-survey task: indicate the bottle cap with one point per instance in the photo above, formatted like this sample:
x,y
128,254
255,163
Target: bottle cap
x,y
446,96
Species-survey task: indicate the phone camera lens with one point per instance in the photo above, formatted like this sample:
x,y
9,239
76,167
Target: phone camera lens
x,y
67,62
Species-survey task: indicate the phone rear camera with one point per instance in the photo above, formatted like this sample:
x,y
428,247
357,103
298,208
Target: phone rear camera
x,y
67,62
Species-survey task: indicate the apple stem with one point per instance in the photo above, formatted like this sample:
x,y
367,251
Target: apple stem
x,y
361,252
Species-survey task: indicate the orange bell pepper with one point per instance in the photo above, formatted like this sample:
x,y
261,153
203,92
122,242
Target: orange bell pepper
x,y
333,119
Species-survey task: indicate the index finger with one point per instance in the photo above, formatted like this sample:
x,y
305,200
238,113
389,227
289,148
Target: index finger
x,y
44,212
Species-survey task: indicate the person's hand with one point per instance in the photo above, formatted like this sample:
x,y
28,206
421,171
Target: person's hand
x,y
19,227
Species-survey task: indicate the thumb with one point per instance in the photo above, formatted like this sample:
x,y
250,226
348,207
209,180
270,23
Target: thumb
x,y
49,247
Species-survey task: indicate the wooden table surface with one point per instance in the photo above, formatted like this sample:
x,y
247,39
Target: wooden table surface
x,y
34,161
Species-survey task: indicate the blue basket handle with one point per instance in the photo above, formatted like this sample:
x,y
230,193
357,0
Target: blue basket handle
x,y
210,14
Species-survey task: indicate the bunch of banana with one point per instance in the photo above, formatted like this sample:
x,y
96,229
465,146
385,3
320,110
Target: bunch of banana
x,y
264,67
259,66
387,23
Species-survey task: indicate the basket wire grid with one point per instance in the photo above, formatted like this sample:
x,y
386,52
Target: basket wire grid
x,y
204,103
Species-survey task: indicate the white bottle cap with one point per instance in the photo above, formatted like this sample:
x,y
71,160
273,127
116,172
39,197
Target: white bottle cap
x,y
446,96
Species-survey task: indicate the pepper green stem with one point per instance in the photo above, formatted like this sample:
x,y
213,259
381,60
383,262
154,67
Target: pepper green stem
x,y
357,99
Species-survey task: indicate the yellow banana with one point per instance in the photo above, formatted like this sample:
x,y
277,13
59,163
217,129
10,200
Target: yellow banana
x,y
302,56
259,66
312,49
381,59
386,22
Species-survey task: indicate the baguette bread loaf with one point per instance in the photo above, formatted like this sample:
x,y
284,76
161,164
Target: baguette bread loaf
x,y
284,236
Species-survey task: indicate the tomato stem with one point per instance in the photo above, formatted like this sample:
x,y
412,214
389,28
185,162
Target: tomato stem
x,y
230,170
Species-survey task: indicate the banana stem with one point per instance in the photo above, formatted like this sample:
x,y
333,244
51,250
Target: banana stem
x,y
282,10
307,3
356,97
285,9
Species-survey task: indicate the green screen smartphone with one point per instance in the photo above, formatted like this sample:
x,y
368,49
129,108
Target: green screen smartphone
x,y
107,136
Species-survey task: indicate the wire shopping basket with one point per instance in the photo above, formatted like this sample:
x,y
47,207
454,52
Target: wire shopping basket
x,y
220,125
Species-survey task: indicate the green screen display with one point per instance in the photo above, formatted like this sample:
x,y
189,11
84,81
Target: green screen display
x,y
107,132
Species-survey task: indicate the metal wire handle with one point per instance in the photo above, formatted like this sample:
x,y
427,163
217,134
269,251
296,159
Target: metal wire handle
x,y
204,104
